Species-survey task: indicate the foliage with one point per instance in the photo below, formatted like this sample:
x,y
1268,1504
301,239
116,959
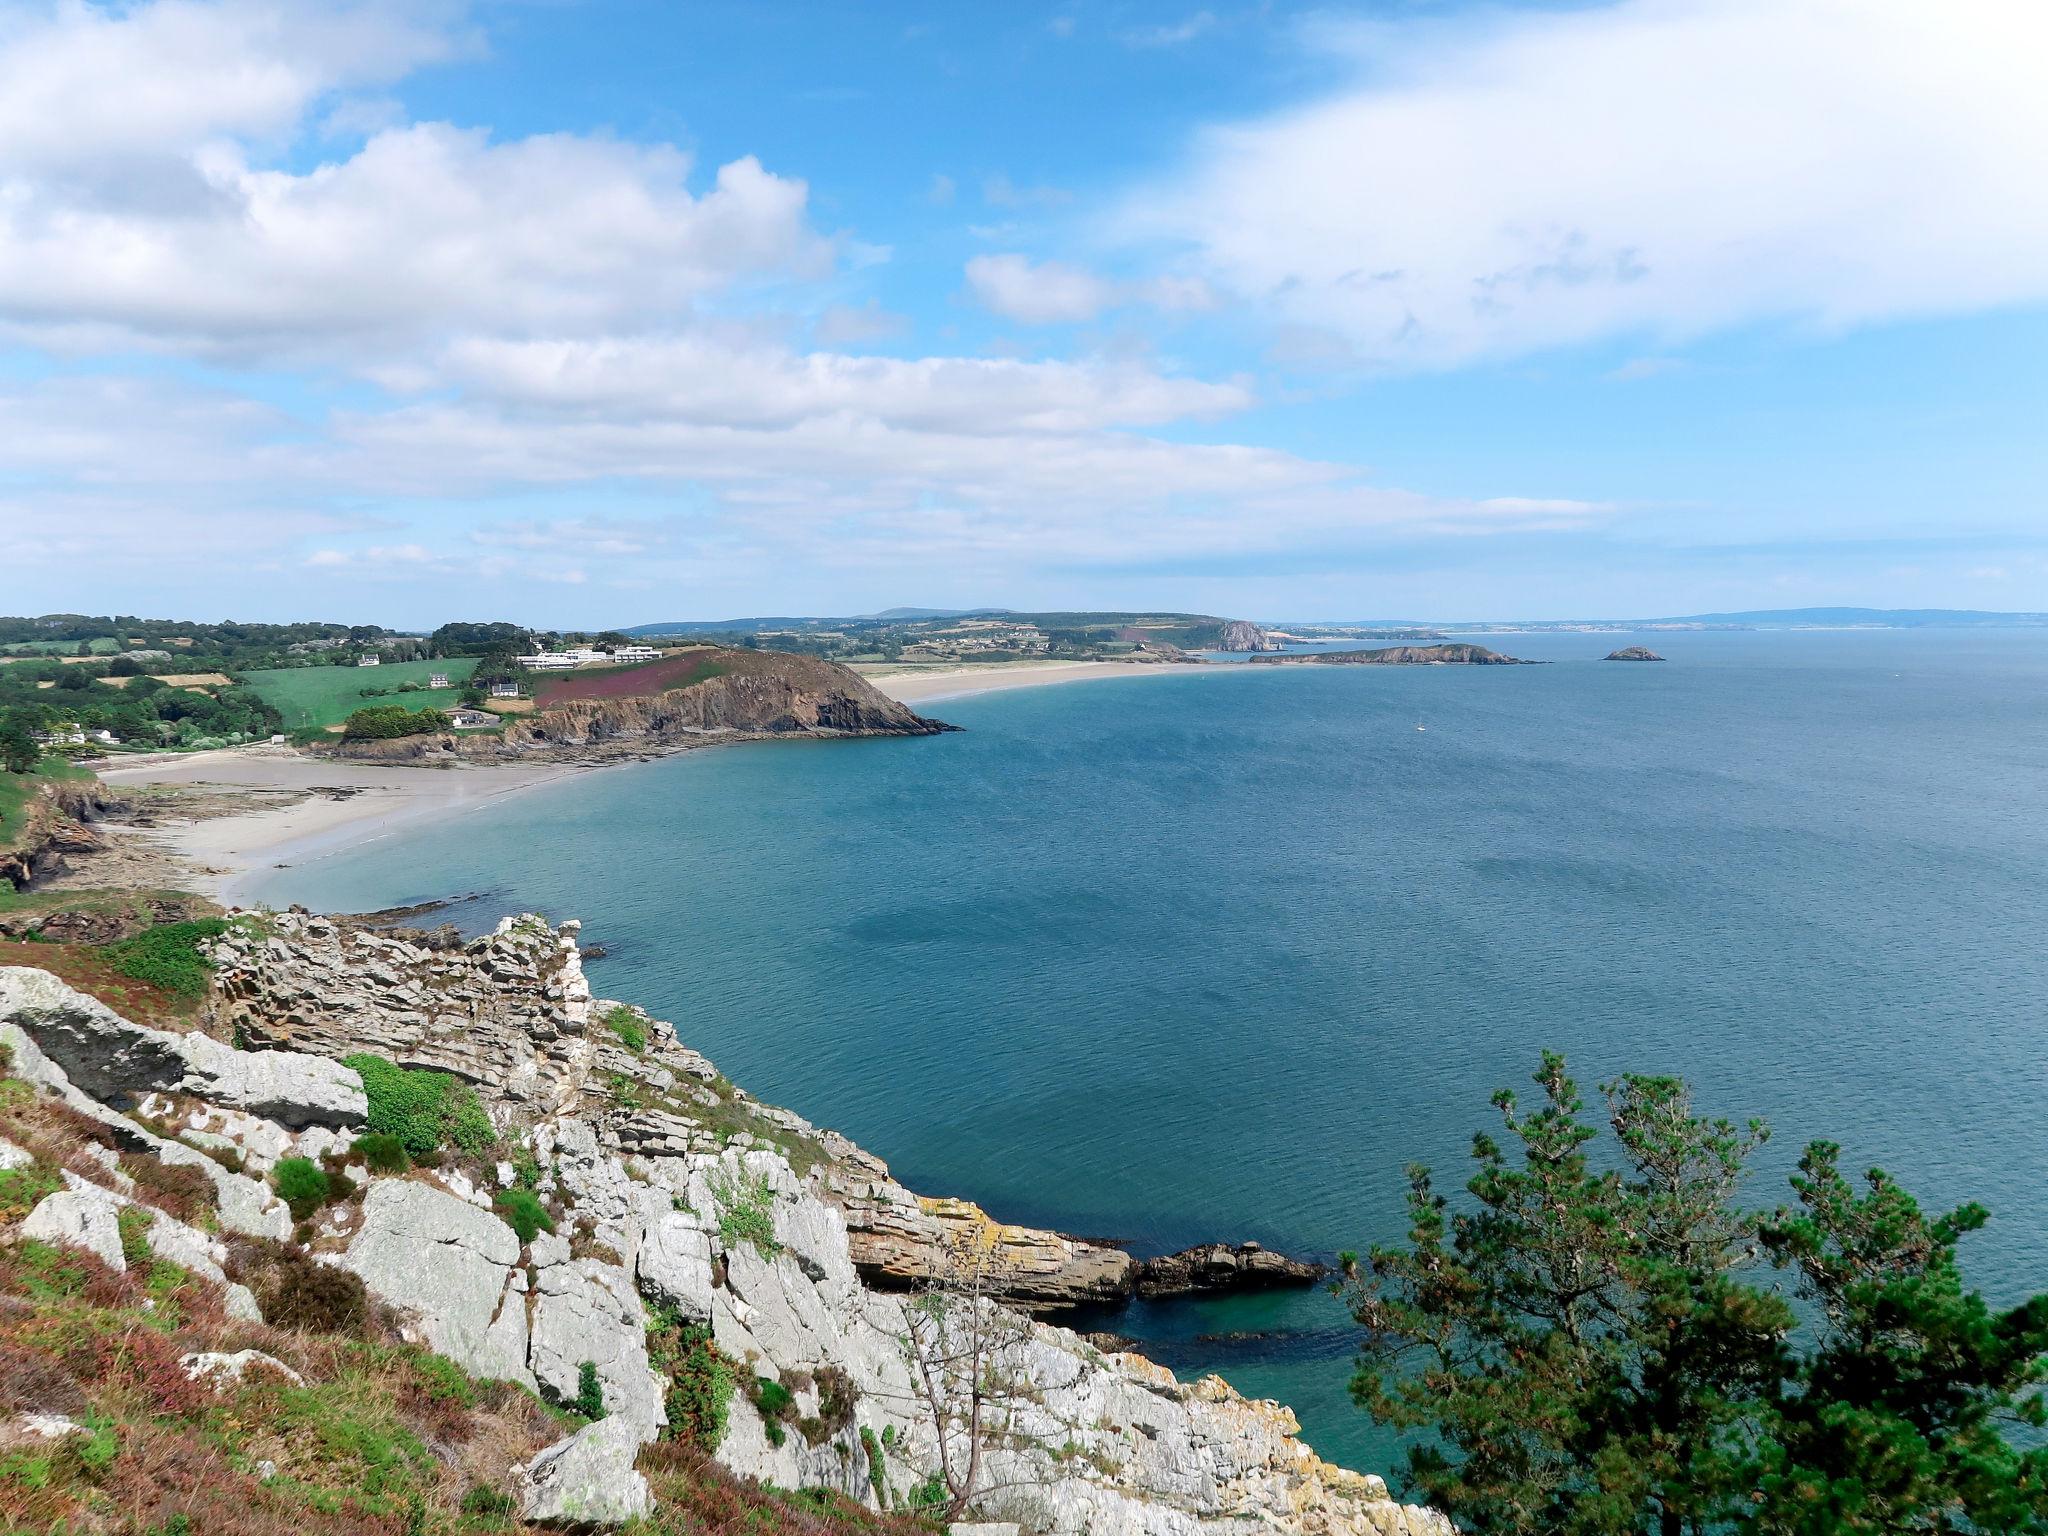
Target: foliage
x,y
19,751
878,1468
589,1391
23,1189
382,1152
698,1397
625,1023
295,1291
168,956
387,722
425,1110
775,1404
523,1213
301,1184
746,1214
1585,1354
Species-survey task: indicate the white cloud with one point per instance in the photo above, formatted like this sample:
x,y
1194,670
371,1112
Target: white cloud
x,y
1038,293
848,324
426,230
1056,292
1170,34
1665,167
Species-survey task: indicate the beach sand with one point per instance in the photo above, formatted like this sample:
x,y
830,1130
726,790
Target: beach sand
x,y
909,683
216,822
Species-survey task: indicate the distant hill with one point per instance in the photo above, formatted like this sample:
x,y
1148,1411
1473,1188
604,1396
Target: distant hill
x,y
1887,618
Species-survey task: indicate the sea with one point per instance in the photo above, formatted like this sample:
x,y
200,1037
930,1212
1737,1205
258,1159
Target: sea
x,y
1173,958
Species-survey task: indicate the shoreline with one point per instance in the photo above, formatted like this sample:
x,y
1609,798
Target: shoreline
x,y
259,809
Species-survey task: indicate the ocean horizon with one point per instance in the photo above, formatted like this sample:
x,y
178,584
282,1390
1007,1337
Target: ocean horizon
x,y
1214,956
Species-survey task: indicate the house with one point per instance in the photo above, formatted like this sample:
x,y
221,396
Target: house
x,y
504,690
438,680
369,661
634,653
61,736
550,661
471,719
105,737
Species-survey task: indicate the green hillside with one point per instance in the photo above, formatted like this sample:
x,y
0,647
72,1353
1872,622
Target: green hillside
x,y
313,698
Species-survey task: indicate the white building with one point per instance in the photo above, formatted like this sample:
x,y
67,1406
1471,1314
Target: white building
x,y
61,736
438,680
471,719
504,690
634,653
369,661
559,661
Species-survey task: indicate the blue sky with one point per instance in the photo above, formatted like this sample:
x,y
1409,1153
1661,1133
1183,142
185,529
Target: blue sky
x,y
594,313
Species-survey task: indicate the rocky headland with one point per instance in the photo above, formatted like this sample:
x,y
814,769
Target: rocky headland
x,y
752,695
1459,654
612,1224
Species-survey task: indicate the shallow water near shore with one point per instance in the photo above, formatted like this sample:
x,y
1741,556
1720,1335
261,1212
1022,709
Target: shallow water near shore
x,y
1215,955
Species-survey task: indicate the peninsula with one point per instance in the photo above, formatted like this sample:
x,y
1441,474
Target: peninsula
x,y
1455,654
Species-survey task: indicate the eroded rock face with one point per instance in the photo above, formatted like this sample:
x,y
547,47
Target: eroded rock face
x,y
587,1479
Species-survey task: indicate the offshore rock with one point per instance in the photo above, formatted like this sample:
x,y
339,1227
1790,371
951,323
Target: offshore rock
x,y
1633,653
1213,1267
1450,655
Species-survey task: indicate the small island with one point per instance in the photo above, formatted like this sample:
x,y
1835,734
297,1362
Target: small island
x,y
1634,653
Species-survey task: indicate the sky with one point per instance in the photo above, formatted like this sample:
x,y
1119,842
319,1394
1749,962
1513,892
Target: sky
x,y
593,314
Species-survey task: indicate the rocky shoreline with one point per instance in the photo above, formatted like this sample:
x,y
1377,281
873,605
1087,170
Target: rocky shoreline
x,y
675,1200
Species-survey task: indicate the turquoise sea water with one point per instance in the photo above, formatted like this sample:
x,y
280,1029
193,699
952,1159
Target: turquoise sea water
x,y
1185,957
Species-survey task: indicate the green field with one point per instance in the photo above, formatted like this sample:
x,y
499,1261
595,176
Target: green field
x,y
313,698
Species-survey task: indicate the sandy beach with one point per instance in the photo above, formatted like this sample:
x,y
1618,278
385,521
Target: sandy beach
x,y
910,683
216,822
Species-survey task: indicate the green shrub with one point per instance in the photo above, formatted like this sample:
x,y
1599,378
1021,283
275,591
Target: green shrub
x,y
483,1499
382,1152
425,1110
746,1214
698,1397
387,722
625,1023
776,1406
301,1184
168,956
524,1214
589,1391
878,1468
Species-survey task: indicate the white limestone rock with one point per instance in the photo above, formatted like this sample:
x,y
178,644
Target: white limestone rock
x,y
675,1266
84,1216
584,1310
588,1479
221,1370
451,1266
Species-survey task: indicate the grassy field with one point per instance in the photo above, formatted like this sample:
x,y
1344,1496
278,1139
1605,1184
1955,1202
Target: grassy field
x,y
313,698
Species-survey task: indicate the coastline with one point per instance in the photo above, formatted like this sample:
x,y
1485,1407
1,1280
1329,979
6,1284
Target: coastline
x,y
251,810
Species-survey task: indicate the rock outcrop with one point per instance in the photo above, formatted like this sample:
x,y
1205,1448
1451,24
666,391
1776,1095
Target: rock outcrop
x,y
1633,653
753,695
1216,1267
1459,654
682,1210
1242,635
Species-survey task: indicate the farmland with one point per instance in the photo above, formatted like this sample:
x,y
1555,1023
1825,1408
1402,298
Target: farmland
x,y
552,690
314,698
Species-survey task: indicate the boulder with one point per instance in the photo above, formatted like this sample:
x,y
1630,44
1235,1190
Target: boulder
x,y
451,1266
81,1217
117,1062
588,1479
222,1370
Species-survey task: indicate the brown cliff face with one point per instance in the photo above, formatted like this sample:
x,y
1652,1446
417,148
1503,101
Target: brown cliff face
x,y
751,694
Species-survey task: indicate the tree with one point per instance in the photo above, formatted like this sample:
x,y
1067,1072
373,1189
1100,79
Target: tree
x,y
18,750
1587,1355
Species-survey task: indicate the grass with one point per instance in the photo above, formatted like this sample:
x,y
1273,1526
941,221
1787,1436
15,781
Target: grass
x,y
18,789
424,1109
313,698
746,1214
168,957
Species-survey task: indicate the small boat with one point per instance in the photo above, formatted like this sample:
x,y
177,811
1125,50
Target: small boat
x,y
1422,727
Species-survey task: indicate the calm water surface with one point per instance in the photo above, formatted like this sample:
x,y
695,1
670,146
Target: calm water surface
x,y
1183,957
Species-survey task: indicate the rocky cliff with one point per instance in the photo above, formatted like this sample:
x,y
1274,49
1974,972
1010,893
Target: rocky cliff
x,y
1449,655
1242,635
57,824
751,695
693,1237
